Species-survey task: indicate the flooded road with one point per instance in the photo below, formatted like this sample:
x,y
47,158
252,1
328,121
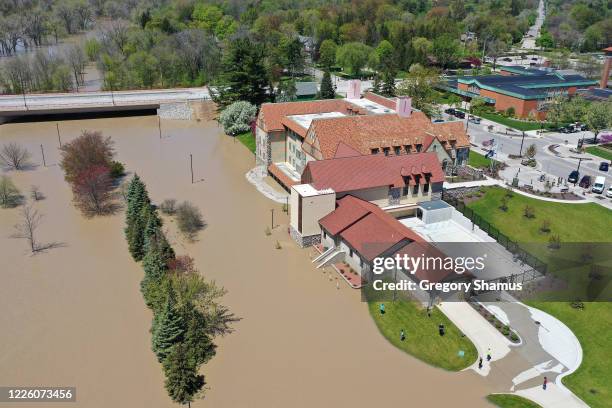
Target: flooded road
x,y
74,316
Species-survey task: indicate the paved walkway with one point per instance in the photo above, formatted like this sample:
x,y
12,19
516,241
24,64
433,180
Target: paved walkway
x,y
256,176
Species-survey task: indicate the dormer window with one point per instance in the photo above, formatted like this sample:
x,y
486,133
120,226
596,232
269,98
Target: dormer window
x,y
386,151
419,147
375,151
397,150
408,148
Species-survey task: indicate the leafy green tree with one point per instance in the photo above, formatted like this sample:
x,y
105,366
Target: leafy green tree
x,y
237,117
293,55
207,16
598,116
168,328
327,53
419,85
199,345
182,379
545,40
446,50
327,90
243,75
353,57
287,91
385,57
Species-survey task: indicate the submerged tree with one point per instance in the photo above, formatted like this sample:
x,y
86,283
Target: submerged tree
x,y
168,328
14,156
182,379
26,228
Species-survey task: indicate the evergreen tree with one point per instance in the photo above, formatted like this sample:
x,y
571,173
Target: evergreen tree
x,y
388,85
155,269
199,345
152,229
243,75
182,378
138,203
376,85
327,88
168,329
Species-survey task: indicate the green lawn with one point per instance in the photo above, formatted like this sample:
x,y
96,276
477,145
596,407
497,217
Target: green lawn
x,y
513,123
422,338
511,401
574,223
248,140
478,160
592,382
604,153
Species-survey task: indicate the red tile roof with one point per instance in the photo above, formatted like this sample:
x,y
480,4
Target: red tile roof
x,y
344,150
360,172
366,228
381,100
365,133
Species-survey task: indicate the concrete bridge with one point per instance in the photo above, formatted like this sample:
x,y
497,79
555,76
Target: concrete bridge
x,y
169,103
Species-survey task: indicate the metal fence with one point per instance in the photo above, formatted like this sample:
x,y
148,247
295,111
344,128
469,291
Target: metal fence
x,y
512,247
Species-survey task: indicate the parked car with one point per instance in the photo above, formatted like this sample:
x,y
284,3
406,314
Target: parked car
x,y
438,120
609,192
599,184
460,115
507,59
604,166
573,176
585,182
450,111
474,119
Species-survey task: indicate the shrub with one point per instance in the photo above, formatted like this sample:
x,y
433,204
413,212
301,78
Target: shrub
x,y
545,227
189,219
14,156
168,206
278,245
116,170
554,242
504,204
514,337
529,212
92,190
510,112
9,194
237,117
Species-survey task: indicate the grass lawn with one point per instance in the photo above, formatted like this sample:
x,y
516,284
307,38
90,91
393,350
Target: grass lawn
x,y
478,160
511,401
603,152
248,140
572,222
513,123
422,338
592,382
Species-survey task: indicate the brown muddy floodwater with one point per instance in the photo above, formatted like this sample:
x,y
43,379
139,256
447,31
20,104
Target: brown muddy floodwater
x,y
74,316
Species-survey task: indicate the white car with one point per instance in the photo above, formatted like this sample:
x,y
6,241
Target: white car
x,y
609,192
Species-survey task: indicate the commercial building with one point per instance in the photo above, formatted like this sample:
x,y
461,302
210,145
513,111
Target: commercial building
x,y
526,90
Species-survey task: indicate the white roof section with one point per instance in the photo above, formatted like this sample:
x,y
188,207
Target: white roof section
x,y
305,120
307,190
371,106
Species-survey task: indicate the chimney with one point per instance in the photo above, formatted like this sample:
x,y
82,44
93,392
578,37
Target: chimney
x,y
403,106
354,89
603,84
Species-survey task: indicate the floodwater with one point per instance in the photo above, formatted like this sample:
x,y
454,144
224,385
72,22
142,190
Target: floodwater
x,y
74,316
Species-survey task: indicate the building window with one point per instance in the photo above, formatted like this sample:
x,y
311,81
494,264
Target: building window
x,y
405,191
324,234
398,150
375,151
407,148
426,188
386,151
419,147
351,252
435,148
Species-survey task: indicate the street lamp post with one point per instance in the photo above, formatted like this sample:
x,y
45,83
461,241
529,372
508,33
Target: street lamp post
x,y
522,141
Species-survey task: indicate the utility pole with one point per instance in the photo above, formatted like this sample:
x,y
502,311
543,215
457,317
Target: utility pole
x,y
59,139
272,212
159,126
191,165
578,169
522,141
43,155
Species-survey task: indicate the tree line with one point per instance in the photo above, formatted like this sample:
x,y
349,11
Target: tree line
x,y
187,315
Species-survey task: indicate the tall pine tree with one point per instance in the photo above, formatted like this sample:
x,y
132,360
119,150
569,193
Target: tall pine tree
x,y
137,200
168,329
182,378
327,90
155,268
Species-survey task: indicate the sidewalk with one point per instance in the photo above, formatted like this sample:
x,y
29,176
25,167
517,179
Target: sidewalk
x,y
256,176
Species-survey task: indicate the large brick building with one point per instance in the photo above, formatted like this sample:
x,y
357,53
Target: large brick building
x,y
527,91
289,135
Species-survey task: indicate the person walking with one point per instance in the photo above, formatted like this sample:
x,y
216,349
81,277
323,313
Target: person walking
x,y
545,382
402,335
489,354
480,363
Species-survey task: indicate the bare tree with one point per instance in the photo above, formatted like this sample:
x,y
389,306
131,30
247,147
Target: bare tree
x,y
26,229
115,35
35,25
67,16
77,60
14,156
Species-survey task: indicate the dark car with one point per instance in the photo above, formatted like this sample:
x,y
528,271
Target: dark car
x,y
604,166
474,119
460,115
573,177
507,59
450,111
585,182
